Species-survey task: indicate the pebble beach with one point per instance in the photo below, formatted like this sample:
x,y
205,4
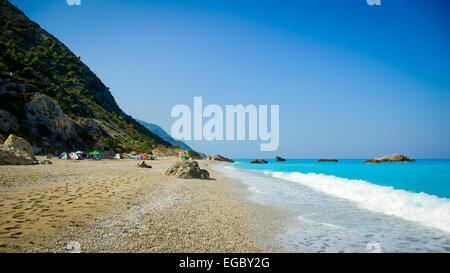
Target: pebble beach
x,y
113,206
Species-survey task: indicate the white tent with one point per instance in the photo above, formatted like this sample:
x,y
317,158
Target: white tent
x,y
118,156
81,154
74,156
64,156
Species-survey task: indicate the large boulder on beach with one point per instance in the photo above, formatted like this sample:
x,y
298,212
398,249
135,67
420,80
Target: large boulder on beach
x,y
187,170
16,151
14,142
220,158
10,156
395,158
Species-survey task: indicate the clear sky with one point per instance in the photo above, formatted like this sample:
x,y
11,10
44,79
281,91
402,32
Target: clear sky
x,y
352,80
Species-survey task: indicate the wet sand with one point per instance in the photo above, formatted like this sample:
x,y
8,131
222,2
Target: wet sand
x,y
113,206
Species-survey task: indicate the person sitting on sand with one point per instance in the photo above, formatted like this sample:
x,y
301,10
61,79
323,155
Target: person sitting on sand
x,y
144,165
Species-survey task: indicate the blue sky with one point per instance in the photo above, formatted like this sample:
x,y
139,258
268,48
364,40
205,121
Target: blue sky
x,y
352,80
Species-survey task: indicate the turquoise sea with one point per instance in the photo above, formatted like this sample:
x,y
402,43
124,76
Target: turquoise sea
x,y
352,207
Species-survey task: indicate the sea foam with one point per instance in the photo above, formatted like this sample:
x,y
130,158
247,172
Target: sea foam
x,y
428,210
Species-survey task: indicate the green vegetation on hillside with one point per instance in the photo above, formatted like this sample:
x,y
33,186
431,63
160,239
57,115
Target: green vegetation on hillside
x,y
43,64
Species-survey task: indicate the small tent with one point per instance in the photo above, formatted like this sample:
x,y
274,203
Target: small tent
x,y
145,156
63,156
118,156
184,158
95,155
81,154
74,156
140,157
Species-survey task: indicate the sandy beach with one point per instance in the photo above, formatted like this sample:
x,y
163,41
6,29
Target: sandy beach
x,y
113,206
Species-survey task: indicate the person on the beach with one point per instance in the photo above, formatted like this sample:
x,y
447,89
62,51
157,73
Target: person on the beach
x,y
144,165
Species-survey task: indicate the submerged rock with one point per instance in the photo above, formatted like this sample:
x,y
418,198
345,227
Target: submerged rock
x,y
255,161
280,159
327,160
187,170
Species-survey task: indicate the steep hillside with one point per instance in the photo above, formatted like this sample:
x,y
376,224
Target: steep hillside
x,y
164,135
50,97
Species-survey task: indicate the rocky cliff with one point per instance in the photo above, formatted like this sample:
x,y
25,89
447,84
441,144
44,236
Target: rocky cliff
x,y
50,97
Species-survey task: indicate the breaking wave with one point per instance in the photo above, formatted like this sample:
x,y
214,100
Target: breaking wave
x,y
428,210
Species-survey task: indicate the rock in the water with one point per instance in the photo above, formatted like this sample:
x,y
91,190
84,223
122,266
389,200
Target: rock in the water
x,y
395,158
390,158
256,161
8,122
327,160
220,158
371,161
18,143
187,170
280,159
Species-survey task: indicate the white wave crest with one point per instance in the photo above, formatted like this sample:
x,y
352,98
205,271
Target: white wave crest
x,y
422,208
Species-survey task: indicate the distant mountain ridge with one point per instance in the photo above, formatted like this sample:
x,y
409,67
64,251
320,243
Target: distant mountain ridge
x,y
164,135
54,100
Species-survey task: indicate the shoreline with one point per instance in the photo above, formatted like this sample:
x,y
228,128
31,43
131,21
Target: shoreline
x,y
113,206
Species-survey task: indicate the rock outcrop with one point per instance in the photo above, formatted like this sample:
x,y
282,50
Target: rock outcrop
x,y
16,151
371,161
45,117
187,170
220,158
327,160
279,159
256,161
390,158
8,122
395,158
